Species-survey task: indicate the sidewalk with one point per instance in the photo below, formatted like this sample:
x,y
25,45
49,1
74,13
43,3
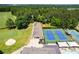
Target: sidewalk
x,y
20,49
33,43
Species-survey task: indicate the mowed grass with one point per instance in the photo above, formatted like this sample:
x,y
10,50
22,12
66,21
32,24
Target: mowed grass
x,y
22,37
4,16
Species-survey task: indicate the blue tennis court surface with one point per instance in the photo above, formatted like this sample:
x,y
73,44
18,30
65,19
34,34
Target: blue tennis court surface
x,y
61,35
54,35
49,34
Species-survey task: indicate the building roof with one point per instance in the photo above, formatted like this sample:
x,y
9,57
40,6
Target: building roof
x,y
63,44
44,50
73,44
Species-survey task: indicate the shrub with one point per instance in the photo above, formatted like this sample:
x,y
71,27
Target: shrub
x,y
1,52
10,24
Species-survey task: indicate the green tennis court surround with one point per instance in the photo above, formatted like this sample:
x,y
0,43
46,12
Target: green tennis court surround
x,y
54,35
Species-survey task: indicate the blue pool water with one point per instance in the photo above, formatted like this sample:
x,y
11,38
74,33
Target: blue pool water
x,y
61,35
49,34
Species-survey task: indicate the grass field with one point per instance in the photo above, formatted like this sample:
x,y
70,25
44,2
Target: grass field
x,y
4,16
21,36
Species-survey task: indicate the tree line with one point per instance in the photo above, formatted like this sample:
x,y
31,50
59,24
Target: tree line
x,y
59,17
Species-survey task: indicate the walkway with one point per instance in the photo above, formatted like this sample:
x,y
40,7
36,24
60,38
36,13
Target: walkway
x,y
20,49
33,43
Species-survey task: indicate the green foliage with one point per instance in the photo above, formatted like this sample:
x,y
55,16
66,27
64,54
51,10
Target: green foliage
x,y
1,52
21,23
4,16
10,24
60,17
73,23
21,37
55,21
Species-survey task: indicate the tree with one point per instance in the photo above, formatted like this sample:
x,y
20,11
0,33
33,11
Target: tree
x,y
10,24
59,17
21,23
56,21
73,23
1,52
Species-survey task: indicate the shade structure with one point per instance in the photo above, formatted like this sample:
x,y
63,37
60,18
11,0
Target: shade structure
x,y
73,44
52,44
63,44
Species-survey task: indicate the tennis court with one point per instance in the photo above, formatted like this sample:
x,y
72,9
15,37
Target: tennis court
x,y
54,35
49,36
75,34
62,36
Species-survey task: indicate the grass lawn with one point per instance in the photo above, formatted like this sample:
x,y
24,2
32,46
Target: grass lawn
x,y
4,16
21,37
